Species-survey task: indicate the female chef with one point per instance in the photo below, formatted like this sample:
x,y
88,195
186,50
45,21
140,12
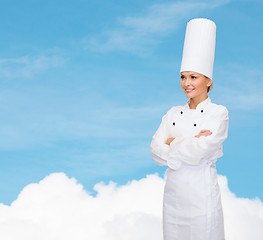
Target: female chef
x,y
189,141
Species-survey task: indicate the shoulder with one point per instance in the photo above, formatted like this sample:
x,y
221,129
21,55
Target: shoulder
x,y
172,111
218,110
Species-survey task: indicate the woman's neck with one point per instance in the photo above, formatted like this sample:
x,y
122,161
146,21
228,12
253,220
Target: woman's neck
x,y
195,101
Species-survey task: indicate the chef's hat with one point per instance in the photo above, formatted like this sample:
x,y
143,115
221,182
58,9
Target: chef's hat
x,y
199,47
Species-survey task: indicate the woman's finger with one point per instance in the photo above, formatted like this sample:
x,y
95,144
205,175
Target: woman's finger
x,y
205,130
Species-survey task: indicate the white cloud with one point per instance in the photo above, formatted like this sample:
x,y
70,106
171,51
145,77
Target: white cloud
x,y
59,208
243,217
28,66
137,34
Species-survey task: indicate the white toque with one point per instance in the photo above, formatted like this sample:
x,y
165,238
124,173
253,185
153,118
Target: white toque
x,y
199,47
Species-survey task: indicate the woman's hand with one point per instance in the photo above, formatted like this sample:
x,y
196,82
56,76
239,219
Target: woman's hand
x,y
204,132
169,140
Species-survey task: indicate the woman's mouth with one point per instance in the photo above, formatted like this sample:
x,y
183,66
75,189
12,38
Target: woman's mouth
x,y
188,90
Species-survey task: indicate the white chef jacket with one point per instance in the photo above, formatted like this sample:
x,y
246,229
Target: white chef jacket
x,y
192,207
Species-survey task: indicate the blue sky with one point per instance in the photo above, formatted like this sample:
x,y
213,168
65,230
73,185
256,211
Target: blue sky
x,y
84,85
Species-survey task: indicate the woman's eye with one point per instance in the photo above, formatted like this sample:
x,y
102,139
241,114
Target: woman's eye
x,y
193,77
182,77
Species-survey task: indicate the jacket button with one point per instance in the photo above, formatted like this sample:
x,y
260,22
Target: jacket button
x,y
181,112
173,123
195,124
202,110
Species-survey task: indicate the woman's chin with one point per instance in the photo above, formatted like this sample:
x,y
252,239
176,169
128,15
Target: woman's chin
x,y
189,94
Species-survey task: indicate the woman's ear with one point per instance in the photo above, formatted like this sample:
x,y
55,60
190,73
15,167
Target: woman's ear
x,y
209,82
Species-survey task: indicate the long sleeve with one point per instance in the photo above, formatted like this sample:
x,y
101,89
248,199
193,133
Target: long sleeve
x,y
193,150
159,149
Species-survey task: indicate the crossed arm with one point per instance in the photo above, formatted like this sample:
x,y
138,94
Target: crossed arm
x,y
169,150
204,132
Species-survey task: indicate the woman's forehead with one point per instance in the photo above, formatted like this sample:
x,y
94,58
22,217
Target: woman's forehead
x,y
190,73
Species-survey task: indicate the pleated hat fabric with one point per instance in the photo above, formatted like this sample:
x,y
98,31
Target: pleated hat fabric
x,y
199,47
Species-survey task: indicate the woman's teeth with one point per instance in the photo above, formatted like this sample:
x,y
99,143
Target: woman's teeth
x,y
189,90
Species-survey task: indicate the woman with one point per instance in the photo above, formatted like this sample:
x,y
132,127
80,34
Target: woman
x,y
189,141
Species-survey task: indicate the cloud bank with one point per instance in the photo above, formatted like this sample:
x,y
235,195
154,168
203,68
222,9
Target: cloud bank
x,y
59,208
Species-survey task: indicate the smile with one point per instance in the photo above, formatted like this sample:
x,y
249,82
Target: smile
x,y
189,90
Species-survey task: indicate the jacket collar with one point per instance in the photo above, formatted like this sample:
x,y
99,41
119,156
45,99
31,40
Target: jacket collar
x,y
200,106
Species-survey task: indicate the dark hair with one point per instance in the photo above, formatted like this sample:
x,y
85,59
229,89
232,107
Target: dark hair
x,y
210,87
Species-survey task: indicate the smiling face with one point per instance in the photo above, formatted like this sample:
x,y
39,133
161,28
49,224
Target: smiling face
x,y
195,85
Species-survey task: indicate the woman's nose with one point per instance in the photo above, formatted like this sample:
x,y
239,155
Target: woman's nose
x,y
187,81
